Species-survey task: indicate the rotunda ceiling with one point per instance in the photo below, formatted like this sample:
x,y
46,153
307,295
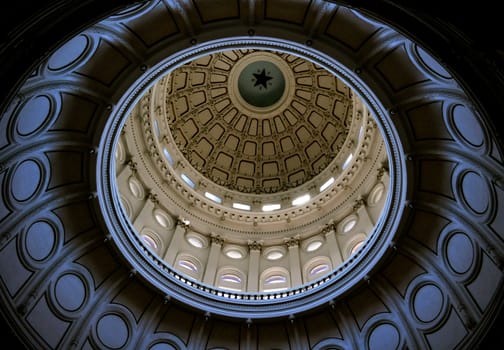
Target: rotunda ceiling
x,y
257,121
232,160
77,275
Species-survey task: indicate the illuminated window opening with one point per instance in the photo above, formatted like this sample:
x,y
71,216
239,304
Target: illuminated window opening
x,y
167,155
347,161
241,206
357,246
234,254
301,200
188,265
327,184
274,255
195,242
275,283
319,269
157,132
230,278
271,207
213,197
275,279
135,187
313,246
162,218
187,180
149,242
349,225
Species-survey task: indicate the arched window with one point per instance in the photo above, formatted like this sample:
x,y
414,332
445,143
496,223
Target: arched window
x,y
317,267
231,279
319,270
188,265
353,246
356,247
126,206
151,240
274,279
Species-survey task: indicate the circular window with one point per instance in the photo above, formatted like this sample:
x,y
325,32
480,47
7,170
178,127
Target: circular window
x,y
313,244
196,240
234,252
163,218
135,187
274,253
348,223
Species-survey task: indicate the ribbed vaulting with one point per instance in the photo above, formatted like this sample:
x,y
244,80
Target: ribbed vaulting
x,y
74,273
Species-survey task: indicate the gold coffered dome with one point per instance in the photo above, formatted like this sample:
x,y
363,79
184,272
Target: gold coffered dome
x,y
257,121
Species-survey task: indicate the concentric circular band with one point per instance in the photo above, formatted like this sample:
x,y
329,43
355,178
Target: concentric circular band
x,y
236,304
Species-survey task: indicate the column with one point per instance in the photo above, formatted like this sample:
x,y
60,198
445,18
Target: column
x,y
145,214
253,270
294,261
334,249
176,242
366,223
213,259
125,173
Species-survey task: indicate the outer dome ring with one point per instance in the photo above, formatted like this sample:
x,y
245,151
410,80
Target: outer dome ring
x,y
247,305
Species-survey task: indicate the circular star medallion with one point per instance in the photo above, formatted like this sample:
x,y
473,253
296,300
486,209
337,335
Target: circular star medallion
x,y
261,84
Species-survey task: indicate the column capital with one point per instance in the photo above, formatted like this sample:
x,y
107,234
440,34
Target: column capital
x,y
153,197
132,165
381,171
216,239
359,202
330,226
183,223
255,245
292,242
